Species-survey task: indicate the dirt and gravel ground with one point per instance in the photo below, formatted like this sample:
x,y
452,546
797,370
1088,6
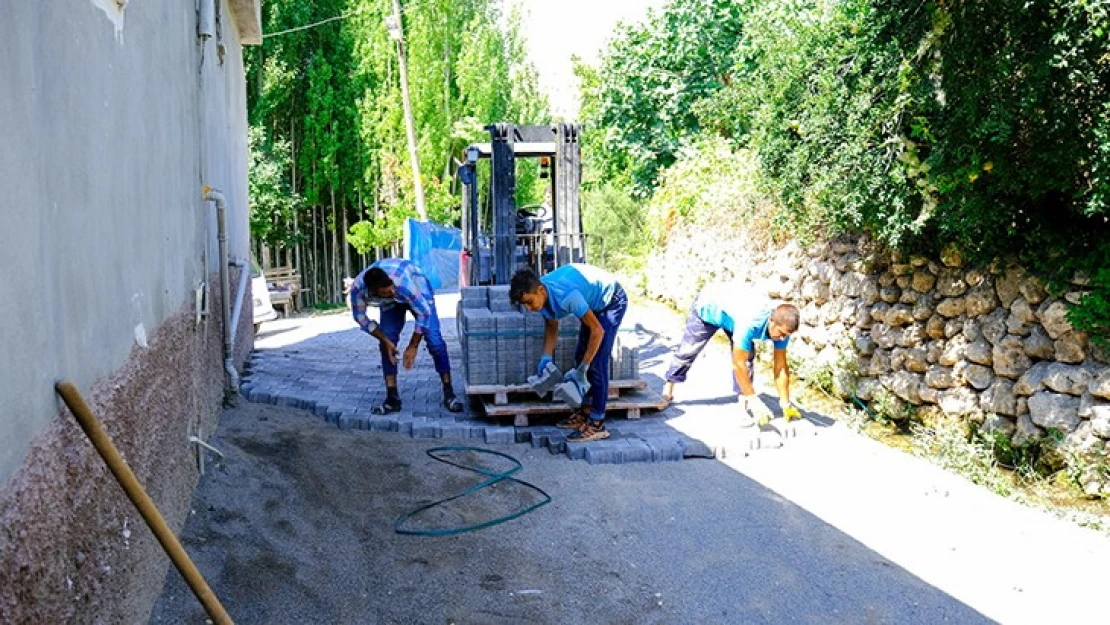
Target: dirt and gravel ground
x,y
297,526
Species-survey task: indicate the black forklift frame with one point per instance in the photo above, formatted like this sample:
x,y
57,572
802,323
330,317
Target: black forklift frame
x,y
508,142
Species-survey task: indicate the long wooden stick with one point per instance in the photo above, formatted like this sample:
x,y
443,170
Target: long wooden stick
x,y
126,478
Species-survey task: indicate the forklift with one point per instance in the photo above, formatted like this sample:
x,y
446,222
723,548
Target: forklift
x,y
497,235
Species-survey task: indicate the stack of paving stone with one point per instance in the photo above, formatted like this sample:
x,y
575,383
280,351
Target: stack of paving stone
x,y
501,345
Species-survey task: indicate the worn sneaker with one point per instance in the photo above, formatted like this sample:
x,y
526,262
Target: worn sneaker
x,y
576,421
453,404
389,405
592,431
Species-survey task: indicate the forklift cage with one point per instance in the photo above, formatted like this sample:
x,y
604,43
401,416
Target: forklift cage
x,y
499,249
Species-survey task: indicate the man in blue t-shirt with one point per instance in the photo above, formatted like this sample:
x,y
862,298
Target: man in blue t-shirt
x,y
745,316
597,299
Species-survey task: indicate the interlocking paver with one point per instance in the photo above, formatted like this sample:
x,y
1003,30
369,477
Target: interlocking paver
x,y
328,366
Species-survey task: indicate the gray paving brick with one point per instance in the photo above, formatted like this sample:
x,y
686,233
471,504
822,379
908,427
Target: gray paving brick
x,y
601,452
337,376
635,451
383,424
474,297
500,435
576,451
665,452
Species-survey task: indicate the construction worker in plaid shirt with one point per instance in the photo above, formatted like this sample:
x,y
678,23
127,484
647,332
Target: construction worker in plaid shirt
x,y
397,286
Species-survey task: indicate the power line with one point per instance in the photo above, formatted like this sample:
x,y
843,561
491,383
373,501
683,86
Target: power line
x,y
330,19
307,26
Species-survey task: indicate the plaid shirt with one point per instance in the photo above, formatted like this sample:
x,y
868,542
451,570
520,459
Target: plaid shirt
x,y
410,285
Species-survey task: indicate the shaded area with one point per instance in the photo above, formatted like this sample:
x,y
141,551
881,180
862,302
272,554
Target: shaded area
x,y
297,527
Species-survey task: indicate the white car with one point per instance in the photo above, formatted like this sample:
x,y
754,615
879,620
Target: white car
x,y
263,309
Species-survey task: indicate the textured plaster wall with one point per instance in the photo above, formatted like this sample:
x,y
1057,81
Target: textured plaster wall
x,y
73,549
113,116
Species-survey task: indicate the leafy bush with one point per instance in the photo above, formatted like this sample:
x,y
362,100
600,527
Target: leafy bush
x,y
615,223
710,186
950,444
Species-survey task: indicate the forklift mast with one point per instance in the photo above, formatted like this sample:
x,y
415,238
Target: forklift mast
x,y
499,248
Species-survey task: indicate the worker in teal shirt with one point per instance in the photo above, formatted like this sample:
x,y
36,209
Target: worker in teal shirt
x,y
746,317
594,296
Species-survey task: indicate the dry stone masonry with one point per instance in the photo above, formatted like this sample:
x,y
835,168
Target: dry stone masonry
x,y
984,343
501,345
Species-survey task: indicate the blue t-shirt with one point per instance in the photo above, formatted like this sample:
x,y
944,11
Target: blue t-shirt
x,y
575,288
742,313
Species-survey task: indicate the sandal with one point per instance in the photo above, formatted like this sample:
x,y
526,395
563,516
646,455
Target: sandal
x,y
592,431
453,404
575,421
387,406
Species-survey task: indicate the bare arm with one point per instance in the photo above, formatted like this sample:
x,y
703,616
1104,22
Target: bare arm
x,y
597,333
550,335
740,370
782,377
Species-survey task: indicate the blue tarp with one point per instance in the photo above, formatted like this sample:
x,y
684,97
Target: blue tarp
x,y
435,249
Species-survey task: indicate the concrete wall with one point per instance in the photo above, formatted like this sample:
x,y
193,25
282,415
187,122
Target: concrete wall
x,y
113,116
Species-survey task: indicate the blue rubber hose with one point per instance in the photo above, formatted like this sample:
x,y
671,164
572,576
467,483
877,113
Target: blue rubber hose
x,y
494,477
864,406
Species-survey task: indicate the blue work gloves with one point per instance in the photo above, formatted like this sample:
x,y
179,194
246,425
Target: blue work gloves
x,y
578,376
544,361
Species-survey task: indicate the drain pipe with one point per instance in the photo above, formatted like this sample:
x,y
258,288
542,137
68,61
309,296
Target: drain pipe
x,y
214,195
240,295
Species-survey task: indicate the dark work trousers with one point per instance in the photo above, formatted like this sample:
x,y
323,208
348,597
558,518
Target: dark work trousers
x,y
694,339
610,318
393,320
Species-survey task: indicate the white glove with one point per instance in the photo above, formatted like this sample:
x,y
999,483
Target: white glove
x,y
755,405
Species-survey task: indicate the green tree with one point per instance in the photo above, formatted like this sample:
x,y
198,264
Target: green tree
x,y
643,102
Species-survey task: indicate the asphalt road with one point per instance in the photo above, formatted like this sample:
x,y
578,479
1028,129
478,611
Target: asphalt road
x,y
298,527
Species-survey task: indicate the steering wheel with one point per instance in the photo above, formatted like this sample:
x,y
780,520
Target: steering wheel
x,y
529,211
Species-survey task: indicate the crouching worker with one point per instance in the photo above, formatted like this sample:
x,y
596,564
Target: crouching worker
x,y
745,317
597,299
398,286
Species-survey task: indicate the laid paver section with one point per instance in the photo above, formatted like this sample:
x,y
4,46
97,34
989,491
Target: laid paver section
x,y
328,366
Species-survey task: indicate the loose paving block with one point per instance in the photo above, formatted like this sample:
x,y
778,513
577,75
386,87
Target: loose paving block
x,y
500,435
665,452
425,429
456,431
696,449
601,452
383,424
576,451
636,451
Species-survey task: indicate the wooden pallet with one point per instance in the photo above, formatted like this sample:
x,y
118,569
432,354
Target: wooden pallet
x,y
632,402
501,392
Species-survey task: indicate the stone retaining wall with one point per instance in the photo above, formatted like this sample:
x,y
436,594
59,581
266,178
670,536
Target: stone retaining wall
x,y
983,343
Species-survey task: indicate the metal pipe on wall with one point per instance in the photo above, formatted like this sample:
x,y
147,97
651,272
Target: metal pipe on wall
x,y
214,195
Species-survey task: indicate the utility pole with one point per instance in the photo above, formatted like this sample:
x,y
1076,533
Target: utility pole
x,y
396,31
